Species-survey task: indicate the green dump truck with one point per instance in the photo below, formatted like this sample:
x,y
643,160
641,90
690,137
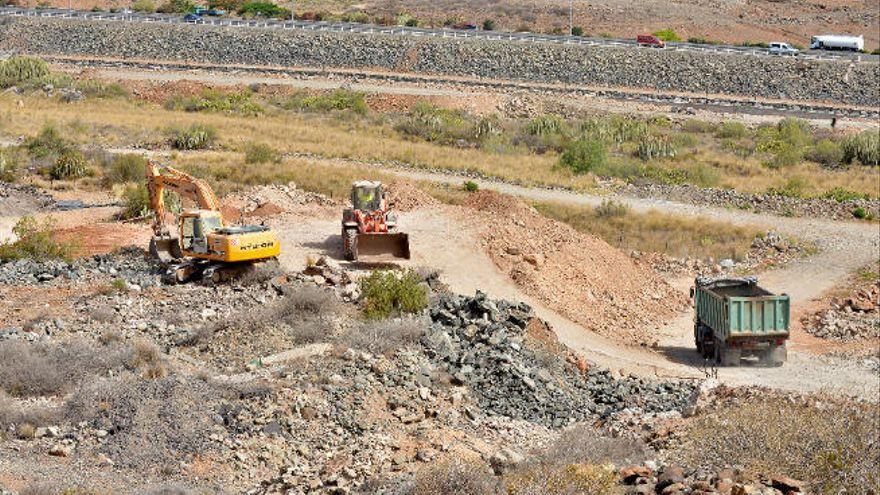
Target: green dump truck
x,y
734,317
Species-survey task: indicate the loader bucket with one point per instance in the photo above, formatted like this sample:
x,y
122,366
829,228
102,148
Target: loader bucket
x,y
396,245
165,249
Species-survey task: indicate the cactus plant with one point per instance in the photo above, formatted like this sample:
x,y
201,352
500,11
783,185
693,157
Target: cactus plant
x,y
70,165
18,69
652,148
864,147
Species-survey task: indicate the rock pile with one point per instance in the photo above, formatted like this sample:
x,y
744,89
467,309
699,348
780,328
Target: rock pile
x,y
129,264
482,343
704,73
854,318
672,480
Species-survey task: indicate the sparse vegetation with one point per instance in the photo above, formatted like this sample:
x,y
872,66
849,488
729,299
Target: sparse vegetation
x,y
239,102
837,450
654,231
386,293
194,137
337,100
261,153
35,241
384,336
583,155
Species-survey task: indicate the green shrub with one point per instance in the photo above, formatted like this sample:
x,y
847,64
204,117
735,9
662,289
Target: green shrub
x,y
583,155
438,125
794,187
261,153
488,25
92,88
263,9
826,152
47,143
863,147
215,101
840,195
176,7
143,6
338,100
577,31
700,126
667,35
785,157
385,293
194,137
860,213
125,168
471,186
35,241
732,130
19,70
70,165
355,17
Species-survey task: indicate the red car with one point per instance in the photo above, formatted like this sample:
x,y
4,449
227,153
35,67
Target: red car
x,y
650,40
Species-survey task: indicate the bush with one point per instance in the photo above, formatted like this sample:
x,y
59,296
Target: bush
x,y
47,143
215,101
31,369
261,153
732,130
652,148
176,7
455,477
666,35
338,100
385,293
700,126
546,125
355,17
263,9
35,241
583,155
471,186
92,88
861,213
863,147
794,187
9,165
438,125
826,152
840,195
14,413
194,137
385,336
610,208
785,157
19,70
488,25
577,31
126,168
837,447
143,6
70,165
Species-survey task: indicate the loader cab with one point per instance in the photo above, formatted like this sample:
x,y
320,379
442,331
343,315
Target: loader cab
x,y
367,196
195,225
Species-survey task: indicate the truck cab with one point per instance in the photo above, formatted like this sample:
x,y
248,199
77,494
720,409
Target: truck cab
x,y
780,48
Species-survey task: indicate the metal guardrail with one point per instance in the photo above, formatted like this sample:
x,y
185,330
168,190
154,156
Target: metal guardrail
x,y
412,31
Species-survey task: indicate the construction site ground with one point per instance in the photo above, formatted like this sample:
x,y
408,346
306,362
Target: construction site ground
x,y
651,339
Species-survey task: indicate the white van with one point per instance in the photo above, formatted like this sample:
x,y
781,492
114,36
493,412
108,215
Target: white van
x,y
780,48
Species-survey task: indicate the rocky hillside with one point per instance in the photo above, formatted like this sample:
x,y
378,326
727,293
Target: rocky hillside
x,y
701,73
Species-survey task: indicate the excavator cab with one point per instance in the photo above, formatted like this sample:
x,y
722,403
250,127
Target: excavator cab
x,y
195,225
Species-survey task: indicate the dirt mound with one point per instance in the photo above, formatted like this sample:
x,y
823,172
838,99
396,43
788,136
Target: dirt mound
x,y
265,210
407,197
579,275
102,238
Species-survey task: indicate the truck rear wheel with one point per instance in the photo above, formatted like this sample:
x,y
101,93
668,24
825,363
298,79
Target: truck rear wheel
x,y
775,355
725,356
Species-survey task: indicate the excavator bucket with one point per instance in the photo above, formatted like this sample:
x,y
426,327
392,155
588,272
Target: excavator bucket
x,y
372,244
165,249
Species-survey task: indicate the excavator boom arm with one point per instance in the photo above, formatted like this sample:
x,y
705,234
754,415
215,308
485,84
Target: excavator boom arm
x,y
159,177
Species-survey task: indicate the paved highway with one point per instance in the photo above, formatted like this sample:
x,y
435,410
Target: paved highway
x,y
417,32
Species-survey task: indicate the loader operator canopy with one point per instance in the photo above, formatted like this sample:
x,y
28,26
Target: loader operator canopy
x,y
366,196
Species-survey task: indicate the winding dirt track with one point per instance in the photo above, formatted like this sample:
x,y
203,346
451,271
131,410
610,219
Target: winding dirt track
x,y
445,242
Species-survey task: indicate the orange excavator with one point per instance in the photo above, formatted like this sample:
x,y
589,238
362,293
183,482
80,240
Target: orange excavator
x,y
203,246
369,228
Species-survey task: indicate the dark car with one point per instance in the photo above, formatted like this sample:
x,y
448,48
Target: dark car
x,y
467,27
192,18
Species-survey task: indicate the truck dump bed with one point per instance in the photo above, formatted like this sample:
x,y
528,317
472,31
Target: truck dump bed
x,y
739,308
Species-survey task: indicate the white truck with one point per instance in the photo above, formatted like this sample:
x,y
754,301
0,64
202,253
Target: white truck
x,y
780,48
837,42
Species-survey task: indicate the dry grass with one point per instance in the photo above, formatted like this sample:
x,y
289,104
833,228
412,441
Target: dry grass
x,y
831,446
655,231
384,336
